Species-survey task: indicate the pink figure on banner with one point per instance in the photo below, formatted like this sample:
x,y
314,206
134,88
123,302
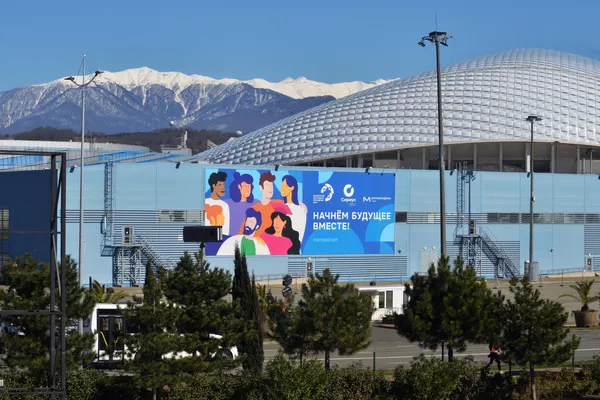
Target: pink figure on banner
x,y
280,237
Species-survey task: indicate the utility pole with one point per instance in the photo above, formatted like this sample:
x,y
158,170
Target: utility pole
x,y
82,163
440,38
531,119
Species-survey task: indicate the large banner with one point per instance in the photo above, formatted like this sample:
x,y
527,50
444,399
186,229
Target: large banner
x,y
300,212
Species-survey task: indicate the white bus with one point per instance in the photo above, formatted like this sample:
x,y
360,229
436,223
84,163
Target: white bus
x,y
108,324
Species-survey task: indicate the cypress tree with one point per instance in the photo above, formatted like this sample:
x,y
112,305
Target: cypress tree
x,y
245,298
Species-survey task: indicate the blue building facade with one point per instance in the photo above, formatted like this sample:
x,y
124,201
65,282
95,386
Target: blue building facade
x,y
155,200
25,212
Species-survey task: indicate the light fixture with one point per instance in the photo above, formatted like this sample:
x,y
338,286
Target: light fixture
x,y
368,170
277,167
72,169
178,164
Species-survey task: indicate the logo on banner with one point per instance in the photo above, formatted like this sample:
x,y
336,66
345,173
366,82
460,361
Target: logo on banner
x,y
372,199
326,194
348,190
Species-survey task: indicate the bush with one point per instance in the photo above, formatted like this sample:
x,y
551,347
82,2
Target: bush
x,y
432,378
355,382
203,387
285,379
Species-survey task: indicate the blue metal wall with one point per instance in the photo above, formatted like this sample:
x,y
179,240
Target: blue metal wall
x,y
151,197
26,194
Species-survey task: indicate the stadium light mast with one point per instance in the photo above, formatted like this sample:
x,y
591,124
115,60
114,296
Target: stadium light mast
x,y
440,38
82,85
531,119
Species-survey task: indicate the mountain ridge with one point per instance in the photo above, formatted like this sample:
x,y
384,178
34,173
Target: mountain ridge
x,y
144,99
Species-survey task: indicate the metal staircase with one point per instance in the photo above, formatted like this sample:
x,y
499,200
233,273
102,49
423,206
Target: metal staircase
x,y
505,267
128,259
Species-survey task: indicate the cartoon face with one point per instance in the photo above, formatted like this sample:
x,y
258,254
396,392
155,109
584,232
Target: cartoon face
x,y
245,189
267,189
285,189
219,189
278,224
250,223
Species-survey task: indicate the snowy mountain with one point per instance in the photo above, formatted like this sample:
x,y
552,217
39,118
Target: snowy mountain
x,y
143,99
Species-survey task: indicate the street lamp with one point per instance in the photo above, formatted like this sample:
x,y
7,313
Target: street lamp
x,y
440,38
531,119
82,85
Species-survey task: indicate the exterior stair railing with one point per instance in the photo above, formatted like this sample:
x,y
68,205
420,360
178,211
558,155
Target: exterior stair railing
x,y
489,240
151,253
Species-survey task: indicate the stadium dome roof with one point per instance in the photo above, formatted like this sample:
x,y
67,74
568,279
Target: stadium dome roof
x,y
485,99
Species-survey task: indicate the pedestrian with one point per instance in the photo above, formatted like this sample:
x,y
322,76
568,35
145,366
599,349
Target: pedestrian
x,y
494,355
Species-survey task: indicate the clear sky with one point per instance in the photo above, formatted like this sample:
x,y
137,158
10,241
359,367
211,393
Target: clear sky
x,y
324,40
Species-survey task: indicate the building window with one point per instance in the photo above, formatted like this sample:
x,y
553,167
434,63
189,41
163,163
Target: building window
x,y
389,297
4,234
381,300
401,217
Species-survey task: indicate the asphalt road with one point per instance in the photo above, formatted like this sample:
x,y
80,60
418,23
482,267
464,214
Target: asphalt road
x,y
392,350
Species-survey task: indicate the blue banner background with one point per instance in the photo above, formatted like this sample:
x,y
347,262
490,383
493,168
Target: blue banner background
x,y
347,212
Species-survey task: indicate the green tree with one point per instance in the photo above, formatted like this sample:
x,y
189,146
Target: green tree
x,y
152,348
289,330
534,331
447,306
101,294
28,281
334,317
245,299
201,293
584,294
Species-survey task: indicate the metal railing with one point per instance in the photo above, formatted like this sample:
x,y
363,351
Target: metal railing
x,y
490,241
153,255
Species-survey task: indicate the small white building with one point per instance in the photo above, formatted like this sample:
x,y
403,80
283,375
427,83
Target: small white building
x,y
386,299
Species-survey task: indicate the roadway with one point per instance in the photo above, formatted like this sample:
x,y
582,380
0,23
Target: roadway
x,y
392,350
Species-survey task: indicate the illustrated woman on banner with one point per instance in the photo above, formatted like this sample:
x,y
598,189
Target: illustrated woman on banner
x,y
241,198
289,191
280,237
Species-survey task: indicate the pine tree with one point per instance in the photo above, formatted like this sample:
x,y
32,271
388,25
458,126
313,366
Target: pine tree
x,y
28,281
152,348
201,293
245,298
289,330
333,317
447,306
534,330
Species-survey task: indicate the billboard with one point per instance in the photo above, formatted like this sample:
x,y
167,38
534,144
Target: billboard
x,y
268,212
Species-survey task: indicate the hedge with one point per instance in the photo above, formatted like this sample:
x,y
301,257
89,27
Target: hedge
x,y
425,379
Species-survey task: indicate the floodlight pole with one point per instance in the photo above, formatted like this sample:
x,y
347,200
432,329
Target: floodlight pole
x,y
531,119
82,163
440,38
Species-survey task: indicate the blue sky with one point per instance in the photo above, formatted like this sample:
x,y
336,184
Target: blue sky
x,y
325,40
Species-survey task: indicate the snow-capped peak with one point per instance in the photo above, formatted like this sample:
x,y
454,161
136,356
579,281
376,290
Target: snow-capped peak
x,y
298,88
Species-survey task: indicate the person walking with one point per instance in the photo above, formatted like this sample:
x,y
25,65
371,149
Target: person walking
x,y
494,355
